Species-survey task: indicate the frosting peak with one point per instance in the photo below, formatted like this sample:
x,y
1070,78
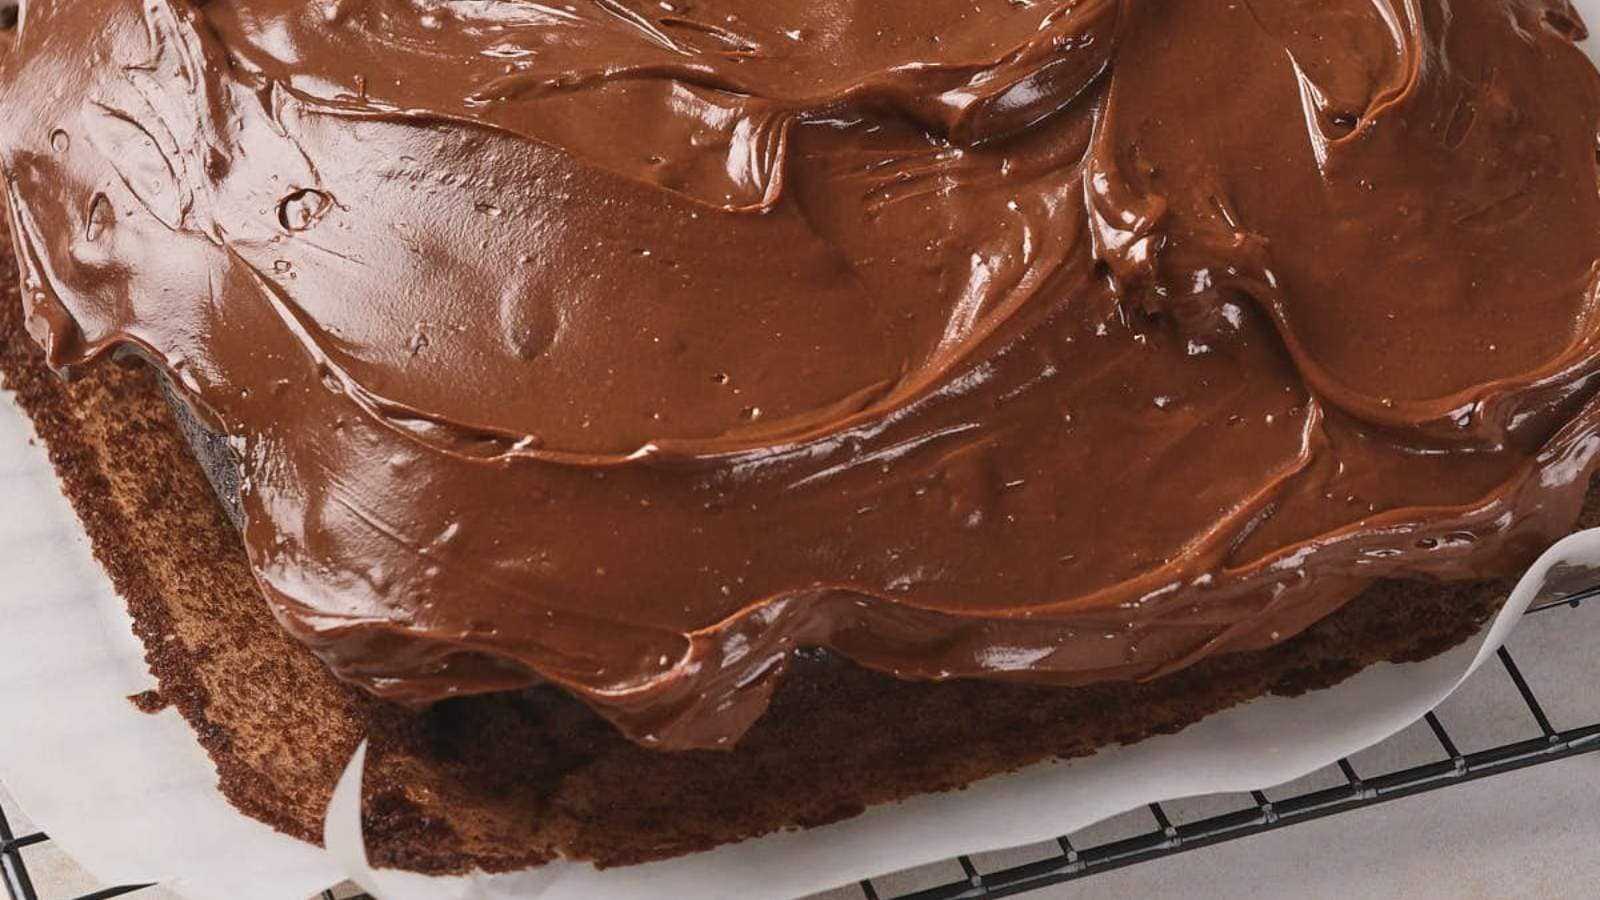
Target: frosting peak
x,y
633,345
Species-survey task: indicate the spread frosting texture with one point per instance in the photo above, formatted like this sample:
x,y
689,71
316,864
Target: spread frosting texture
x,y
633,345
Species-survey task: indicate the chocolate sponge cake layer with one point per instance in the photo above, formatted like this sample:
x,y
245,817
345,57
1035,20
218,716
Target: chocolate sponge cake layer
x,y
505,781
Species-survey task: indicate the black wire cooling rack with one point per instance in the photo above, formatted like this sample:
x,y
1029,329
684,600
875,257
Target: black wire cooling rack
x,y
1163,838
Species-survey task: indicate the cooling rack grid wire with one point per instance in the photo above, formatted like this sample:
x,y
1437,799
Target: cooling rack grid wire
x,y
1545,743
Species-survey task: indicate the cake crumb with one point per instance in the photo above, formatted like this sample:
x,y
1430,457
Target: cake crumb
x,y
149,701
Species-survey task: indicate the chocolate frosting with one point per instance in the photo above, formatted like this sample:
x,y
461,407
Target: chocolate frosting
x,y
633,345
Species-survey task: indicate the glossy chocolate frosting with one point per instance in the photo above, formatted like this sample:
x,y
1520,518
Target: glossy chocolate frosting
x,y
633,345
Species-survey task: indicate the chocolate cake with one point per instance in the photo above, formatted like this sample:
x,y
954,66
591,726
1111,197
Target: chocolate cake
x,y
654,425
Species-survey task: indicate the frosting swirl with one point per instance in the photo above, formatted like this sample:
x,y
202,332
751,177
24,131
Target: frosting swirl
x,y
633,345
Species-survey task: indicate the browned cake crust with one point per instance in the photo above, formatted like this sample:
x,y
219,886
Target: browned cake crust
x,y
506,781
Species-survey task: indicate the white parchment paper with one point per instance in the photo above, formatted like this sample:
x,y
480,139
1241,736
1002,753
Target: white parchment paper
x,y
134,799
